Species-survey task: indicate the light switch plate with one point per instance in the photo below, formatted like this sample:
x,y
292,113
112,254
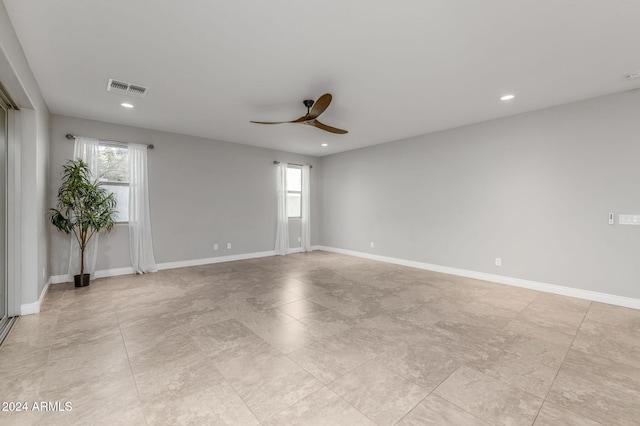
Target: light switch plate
x,y
629,219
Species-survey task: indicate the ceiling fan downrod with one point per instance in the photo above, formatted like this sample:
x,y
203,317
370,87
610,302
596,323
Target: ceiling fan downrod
x,y
308,103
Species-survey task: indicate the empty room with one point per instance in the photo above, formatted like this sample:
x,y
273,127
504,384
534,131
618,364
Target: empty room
x,y
335,213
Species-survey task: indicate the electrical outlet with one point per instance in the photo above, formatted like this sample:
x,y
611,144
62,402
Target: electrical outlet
x,y
228,246
215,246
498,261
372,244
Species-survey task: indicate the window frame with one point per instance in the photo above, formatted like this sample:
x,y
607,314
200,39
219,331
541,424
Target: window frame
x,y
291,166
112,144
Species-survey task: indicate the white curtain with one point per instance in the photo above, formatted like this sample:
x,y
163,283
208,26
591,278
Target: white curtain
x,y
282,228
140,241
86,150
305,230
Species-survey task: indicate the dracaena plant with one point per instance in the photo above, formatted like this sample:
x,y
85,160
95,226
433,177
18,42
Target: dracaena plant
x,y
84,207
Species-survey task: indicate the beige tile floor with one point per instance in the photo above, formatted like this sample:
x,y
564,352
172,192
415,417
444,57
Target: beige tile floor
x,y
321,339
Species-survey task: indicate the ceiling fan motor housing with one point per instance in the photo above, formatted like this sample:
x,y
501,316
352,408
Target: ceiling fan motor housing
x,y
308,103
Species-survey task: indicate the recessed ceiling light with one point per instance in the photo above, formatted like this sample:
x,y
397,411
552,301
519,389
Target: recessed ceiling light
x,y
126,105
325,144
507,97
633,75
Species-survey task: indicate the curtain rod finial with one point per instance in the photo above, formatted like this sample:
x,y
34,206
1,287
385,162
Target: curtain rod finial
x,y
69,136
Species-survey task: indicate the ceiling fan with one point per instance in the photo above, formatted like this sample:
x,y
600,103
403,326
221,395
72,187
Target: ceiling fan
x,y
314,109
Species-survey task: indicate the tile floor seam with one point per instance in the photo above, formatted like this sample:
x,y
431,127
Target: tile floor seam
x,y
231,386
608,359
236,392
515,318
226,378
501,381
413,408
450,402
133,376
586,311
289,406
350,404
44,370
393,372
238,395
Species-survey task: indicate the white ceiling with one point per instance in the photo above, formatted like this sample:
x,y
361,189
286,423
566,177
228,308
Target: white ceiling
x,y
396,69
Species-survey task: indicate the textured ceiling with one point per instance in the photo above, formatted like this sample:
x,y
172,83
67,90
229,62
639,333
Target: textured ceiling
x,y
395,69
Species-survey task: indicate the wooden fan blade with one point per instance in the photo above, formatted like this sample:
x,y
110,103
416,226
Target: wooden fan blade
x,y
319,125
299,120
270,122
319,106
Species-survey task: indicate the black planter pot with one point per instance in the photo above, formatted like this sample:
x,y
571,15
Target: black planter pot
x,y
81,282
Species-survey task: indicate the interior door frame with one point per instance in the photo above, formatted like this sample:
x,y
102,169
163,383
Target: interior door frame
x,y
11,172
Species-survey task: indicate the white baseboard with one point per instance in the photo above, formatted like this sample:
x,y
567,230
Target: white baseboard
x,y
299,249
210,260
595,296
104,273
628,302
34,308
58,279
61,279
113,272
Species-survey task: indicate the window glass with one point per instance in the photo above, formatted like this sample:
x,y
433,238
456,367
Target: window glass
x,y
294,179
113,163
293,204
294,192
122,197
113,172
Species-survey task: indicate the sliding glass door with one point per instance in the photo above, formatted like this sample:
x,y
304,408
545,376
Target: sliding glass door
x,y
4,318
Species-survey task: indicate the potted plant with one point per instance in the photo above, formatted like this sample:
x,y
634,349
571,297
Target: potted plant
x,y
84,209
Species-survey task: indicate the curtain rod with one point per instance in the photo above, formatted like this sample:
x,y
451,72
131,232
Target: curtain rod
x,y
294,164
70,136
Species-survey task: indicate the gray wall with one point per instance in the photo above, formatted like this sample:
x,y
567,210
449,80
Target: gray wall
x,y
28,170
201,192
534,189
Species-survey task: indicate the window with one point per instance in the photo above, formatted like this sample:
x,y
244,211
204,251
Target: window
x,y
113,172
294,192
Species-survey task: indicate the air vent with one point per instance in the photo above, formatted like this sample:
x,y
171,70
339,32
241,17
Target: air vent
x,y
137,90
126,88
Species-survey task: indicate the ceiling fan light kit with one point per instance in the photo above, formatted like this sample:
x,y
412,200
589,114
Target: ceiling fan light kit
x,y
314,109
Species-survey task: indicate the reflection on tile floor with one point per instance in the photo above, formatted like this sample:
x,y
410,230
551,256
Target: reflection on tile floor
x,y
324,339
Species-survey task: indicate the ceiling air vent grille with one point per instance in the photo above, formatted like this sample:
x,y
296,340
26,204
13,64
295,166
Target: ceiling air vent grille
x,y
126,88
137,90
